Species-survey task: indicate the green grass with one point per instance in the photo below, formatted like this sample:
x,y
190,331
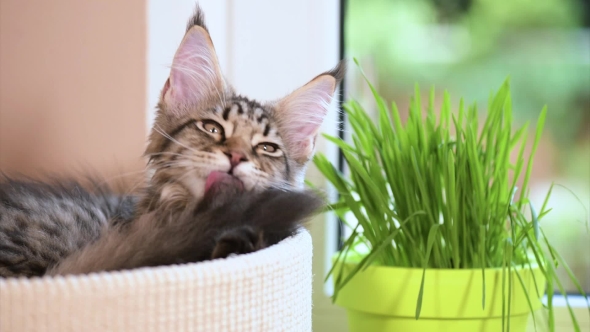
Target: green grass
x,y
440,191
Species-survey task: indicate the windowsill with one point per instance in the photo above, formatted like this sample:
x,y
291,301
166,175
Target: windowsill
x,y
327,316
575,301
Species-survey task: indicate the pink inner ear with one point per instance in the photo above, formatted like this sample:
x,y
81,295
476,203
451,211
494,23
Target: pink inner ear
x,y
195,71
303,112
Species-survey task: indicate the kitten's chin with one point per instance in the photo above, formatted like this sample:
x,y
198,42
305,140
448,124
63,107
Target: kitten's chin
x,y
221,181
220,189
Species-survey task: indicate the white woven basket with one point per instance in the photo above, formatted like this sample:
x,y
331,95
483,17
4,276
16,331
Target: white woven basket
x,y
269,290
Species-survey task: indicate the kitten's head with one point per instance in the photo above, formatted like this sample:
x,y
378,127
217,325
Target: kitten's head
x,y
206,134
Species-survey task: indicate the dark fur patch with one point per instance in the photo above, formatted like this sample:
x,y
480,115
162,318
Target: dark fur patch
x,y
226,113
197,19
261,118
239,240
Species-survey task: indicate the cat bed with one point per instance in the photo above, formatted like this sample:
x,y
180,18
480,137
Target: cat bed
x,y
268,290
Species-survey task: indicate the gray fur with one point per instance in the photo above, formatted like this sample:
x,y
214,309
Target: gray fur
x,y
40,224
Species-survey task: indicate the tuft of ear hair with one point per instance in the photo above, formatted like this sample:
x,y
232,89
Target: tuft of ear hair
x,y
302,112
338,72
198,19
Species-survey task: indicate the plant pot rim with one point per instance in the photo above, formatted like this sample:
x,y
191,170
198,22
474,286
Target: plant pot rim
x,y
448,293
352,260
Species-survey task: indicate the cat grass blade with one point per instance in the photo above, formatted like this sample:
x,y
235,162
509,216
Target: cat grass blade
x,y
347,244
528,298
540,125
482,237
431,237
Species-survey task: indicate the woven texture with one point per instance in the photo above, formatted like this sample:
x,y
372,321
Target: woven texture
x,y
269,290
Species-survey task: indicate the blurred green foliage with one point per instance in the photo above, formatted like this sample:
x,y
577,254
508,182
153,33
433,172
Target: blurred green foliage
x,y
466,46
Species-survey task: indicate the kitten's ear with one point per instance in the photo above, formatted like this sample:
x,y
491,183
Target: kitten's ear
x,y
195,72
301,113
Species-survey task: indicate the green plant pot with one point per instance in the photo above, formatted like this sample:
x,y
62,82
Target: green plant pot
x,y
384,299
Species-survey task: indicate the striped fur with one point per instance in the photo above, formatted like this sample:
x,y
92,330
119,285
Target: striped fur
x,y
40,223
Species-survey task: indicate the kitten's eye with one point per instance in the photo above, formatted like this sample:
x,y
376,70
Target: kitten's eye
x,y
268,148
211,127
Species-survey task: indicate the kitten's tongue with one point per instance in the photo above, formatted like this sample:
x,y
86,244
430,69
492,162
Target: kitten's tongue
x,y
219,180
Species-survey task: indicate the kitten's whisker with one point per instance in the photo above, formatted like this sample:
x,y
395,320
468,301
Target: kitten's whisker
x,y
161,132
204,160
164,153
282,186
208,156
202,154
275,183
188,172
181,164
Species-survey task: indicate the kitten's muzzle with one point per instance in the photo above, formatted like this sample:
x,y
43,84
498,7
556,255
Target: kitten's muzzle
x,y
235,158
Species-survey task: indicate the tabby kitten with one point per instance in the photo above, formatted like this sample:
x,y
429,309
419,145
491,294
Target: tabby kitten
x,y
225,176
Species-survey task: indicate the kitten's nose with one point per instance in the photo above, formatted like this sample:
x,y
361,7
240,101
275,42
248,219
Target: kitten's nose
x,y
235,158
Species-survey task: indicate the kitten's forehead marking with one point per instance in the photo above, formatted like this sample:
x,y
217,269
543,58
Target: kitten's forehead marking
x,y
245,115
260,116
243,106
220,113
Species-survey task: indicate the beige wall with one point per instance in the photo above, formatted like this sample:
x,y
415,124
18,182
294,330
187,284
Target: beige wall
x,y
72,86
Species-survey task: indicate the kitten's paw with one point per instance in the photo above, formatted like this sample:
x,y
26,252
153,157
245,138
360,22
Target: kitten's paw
x,y
240,240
